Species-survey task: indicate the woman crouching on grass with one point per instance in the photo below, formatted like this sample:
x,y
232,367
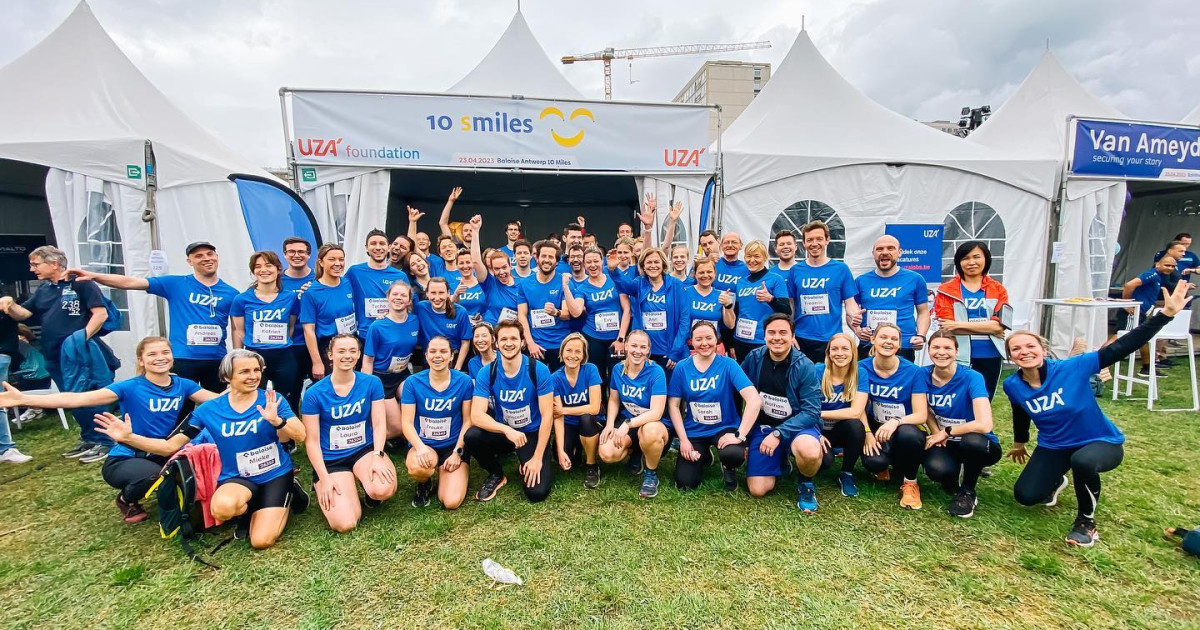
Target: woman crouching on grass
x,y
346,427
637,399
150,404
844,391
963,444
576,405
898,406
435,409
1073,433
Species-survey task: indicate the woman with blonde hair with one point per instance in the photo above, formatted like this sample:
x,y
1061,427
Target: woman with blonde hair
x,y
754,298
844,389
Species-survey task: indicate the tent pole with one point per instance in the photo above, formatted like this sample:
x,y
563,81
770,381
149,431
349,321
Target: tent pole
x,y
719,175
287,136
150,216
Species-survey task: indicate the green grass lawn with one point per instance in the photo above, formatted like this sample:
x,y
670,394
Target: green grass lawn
x,y
605,559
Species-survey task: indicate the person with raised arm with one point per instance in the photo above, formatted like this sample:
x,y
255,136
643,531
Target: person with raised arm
x,y
444,221
755,297
469,292
657,304
495,274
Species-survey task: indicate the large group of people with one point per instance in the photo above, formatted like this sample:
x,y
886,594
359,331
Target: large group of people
x,y
573,357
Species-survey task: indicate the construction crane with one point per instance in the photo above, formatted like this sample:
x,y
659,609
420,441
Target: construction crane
x,y
608,54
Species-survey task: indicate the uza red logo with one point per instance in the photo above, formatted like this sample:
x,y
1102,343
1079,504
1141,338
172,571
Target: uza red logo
x,y
319,147
682,157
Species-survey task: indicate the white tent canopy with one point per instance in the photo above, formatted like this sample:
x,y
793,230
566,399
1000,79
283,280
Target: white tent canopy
x,y
76,104
1193,117
1033,123
517,64
811,146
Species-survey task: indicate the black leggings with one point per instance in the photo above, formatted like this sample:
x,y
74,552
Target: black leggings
x,y
990,370
813,349
487,448
281,372
1046,467
688,475
133,476
588,427
599,355
848,435
303,369
967,457
904,452
743,349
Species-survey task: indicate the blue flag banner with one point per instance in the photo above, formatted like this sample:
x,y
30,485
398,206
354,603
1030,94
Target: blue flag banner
x,y
920,248
1135,150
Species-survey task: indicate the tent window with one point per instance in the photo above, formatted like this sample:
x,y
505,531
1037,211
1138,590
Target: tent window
x,y
1097,255
973,221
681,233
796,215
100,248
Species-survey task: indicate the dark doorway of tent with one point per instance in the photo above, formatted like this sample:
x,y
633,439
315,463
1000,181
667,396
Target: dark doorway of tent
x,y
24,224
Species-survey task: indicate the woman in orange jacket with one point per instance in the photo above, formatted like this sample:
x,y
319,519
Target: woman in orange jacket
x,y
970,304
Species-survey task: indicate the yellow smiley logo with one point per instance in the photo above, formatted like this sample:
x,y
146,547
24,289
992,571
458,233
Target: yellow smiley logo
x,y
566,141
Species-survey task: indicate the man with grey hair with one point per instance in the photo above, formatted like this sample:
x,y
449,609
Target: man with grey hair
x,y
64,306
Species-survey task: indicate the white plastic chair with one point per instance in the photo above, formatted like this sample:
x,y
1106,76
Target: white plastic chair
x,y
53,389
1177,329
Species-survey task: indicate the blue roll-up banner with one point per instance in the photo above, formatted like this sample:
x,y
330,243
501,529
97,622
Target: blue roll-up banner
x,y
272,215
1135,150
920,248
706,205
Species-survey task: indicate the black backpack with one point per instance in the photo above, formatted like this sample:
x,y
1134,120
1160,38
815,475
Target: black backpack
x,y
179,514
497,367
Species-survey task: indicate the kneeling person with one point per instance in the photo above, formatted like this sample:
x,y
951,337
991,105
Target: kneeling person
x,y
435,409
637,398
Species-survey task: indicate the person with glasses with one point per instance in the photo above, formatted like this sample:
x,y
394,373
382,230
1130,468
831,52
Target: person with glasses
x,y
296,279
198,307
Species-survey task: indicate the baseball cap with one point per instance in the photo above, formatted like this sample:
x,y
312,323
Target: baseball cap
x,y
197,245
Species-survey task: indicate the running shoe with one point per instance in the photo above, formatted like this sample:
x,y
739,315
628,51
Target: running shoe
x,y
1083,534
490,487
807,497
649,484
1145,372
591,476
910,495
241,527
1053,500
729,475
131,512
839,451
300,498
78,450
849,487
97,453
986,472
13,456
421,495
635,465
1164,363
963,504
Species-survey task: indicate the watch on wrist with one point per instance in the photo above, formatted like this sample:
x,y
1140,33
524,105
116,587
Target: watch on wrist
x,y
381,453
947,430
620,340
458,451
741,438
777,434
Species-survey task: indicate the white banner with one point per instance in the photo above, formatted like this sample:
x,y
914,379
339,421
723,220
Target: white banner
x,y
396,130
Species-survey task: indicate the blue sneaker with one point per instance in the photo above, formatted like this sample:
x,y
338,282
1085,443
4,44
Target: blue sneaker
x,y
849,487
807,500
649,484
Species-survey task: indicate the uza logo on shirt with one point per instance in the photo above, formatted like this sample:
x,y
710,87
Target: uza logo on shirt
x,y
163,404
703,384
813,283
704,307
439,404
629,391
239,427
727,278
941,401
344,411
885,292
657,299
202,299
603,295
747,291
1045,402
976,304
884,391
269,315
512,395
575,399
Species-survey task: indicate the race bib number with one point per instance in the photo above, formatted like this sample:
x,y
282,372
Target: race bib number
x,y
270,333
343,437
951,422
814,304
877,317
539,318
654,320
980,337
398,364
376,308
746,328
435,428
507,314
705,412
346,325
885,411
776,407
633,409
258,460
203,334
518,418
607,322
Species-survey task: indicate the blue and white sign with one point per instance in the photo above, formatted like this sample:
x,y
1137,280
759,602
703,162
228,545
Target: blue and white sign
x,y
920,248
1135,150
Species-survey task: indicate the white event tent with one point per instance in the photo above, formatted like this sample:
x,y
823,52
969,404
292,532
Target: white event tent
x,y
811,146
1033,123
123,170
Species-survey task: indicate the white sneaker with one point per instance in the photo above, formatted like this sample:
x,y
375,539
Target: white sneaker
x,y
13,456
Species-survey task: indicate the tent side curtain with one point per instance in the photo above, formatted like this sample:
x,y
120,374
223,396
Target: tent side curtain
x,y
273,214
1091,223
688,190
98,224
347,209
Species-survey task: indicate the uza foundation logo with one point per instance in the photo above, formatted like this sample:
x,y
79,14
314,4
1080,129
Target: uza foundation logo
x,y
567,141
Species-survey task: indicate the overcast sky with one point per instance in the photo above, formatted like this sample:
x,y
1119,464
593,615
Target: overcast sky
x,y
222,61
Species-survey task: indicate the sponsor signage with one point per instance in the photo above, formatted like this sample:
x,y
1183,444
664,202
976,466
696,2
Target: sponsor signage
x,y
1113,149
920,248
